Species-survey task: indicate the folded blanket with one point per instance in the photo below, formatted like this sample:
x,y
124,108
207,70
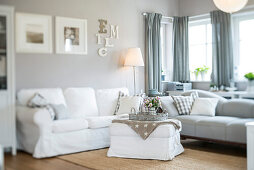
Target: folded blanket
x,y
145,128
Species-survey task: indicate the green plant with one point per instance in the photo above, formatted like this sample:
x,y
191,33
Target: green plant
x,y
203,69
212,85
249,76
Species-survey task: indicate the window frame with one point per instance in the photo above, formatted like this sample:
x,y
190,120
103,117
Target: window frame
x,y
168,62
236,19
204,20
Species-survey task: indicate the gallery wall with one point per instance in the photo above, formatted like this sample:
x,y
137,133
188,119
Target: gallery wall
x,y
54,70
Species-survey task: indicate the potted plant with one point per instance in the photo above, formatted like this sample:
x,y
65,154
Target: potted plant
x,y
152,104
196,73
250,77
203,71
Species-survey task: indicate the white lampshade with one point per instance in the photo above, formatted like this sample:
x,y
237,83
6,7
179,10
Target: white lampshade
x,y
134,57
230,6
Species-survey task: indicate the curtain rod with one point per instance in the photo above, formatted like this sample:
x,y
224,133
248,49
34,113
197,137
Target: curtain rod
x,y
145,13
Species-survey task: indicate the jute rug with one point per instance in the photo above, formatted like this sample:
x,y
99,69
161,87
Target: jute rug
x,y
196,157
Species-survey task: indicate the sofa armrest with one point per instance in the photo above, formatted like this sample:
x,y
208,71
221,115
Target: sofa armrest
x,y
39,117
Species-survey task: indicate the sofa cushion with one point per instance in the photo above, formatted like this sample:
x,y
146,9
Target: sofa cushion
x,y
127,103
207,94
236,130
163,131
189,124
53,96
204,106
81,102
69,125
107,100
167,104
242,108
213,127
100,121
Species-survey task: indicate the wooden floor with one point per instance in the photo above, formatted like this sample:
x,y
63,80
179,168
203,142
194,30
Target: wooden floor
x,y
24,161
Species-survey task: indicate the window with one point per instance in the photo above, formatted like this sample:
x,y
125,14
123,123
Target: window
x,y
166,50
243,45
200,48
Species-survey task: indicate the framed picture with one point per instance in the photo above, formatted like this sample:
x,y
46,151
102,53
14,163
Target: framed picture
x,y
33,33
71,36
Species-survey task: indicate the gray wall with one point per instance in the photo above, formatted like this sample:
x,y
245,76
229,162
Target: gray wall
x,y
52,70
197,7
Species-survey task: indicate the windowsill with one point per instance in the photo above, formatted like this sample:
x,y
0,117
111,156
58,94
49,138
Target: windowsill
x,y
200,81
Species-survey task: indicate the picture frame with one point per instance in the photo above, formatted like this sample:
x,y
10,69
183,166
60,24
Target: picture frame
x,y
33,33
71,36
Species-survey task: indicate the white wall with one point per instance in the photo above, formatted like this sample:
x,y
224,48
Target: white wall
x,y
52,70
197,7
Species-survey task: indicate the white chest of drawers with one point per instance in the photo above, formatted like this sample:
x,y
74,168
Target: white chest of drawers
x,y
250,145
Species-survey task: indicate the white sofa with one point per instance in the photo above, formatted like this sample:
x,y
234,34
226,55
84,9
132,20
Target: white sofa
x,y
87,129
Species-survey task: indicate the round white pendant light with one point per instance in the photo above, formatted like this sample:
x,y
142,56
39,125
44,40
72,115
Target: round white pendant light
x,y
230,6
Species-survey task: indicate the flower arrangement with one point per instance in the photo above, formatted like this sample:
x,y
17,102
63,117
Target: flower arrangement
x,y
152,102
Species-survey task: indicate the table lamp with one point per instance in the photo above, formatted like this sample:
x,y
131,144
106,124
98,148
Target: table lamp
x,y
134,59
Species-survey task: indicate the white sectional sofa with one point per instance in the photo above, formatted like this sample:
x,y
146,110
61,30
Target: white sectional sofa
x,y
87,129
227,126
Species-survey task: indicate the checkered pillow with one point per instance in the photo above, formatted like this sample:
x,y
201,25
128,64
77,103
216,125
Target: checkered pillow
x,y
184,103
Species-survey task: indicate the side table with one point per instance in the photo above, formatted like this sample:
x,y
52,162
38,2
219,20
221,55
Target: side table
x,y
250,145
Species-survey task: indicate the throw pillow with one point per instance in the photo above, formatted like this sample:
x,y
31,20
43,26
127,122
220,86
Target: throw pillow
x,y
39,101
61,111
126,103
204,106
184,104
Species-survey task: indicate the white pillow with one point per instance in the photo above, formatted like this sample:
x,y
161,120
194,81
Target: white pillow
x,y
204,106
126,103
81,102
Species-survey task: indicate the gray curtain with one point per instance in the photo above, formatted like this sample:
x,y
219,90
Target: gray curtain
x,y
223,66
153,51
181,49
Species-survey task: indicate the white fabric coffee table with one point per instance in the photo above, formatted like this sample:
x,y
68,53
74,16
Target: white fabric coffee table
x,y
162,144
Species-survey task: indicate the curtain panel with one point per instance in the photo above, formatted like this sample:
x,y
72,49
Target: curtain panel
x,y
153,51
223,66
181,49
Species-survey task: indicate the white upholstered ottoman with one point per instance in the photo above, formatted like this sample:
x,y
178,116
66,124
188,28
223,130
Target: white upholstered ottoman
x,y
162,144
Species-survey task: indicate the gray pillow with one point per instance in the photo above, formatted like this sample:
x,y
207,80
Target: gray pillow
x,y
37,101
61,111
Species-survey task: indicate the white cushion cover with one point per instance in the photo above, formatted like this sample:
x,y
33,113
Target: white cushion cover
x,y
162,144
53,96
81,102
107,100
126,103
99,121
204,106
68,125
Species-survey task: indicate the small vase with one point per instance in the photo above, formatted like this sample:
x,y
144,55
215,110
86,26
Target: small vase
x,y
250,87
202,76
152,111
196,77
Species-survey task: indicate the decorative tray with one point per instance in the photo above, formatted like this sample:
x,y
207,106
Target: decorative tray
x,y
145,116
